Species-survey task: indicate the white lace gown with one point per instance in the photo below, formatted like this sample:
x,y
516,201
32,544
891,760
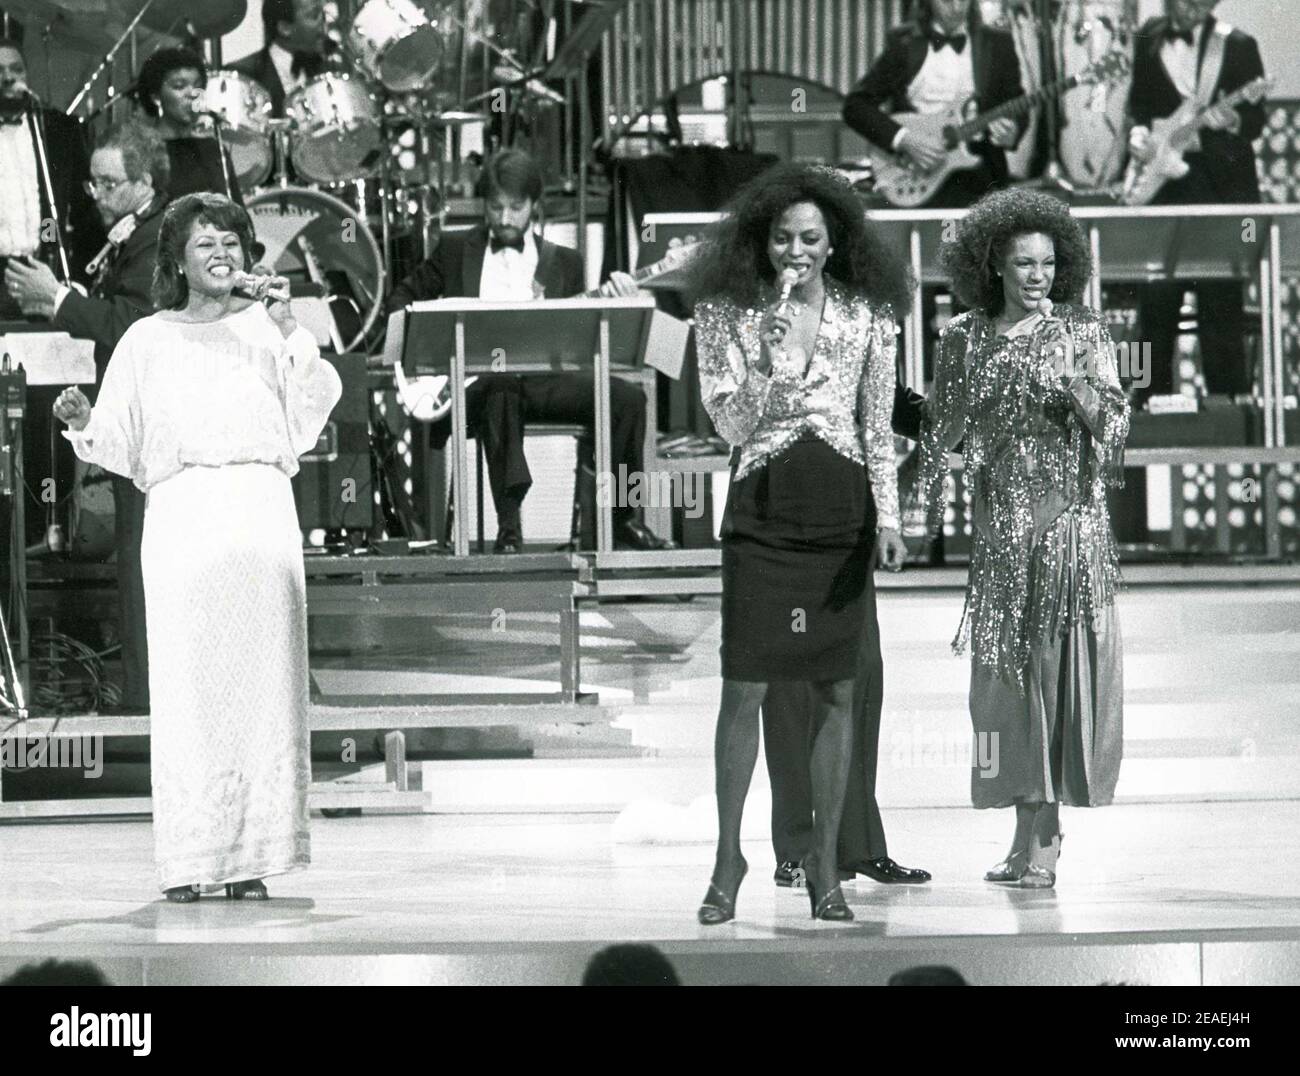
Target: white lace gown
x,y
209,420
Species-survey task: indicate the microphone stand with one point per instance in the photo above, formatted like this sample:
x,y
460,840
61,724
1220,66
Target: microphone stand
x,y
221,151
112,55
1053,174
43,160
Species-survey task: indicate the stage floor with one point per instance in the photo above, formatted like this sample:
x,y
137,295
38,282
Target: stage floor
x,y
523,867
1147,893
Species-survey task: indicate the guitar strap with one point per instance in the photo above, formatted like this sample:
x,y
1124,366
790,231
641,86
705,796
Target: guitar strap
x,y
1212,65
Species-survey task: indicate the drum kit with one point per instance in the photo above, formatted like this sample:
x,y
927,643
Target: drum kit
x,y
412,66
324,181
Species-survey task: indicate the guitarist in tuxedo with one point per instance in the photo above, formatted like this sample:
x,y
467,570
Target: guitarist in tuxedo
x,y
295,51
1170,64
944,57
505,260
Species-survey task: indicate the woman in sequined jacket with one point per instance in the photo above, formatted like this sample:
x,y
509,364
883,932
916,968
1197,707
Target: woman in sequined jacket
x,y
1029,379
804,387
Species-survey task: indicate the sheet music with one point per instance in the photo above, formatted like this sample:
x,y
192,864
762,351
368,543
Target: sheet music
x,y
51,358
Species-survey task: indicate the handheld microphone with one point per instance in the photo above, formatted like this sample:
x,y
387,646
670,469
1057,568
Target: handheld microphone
x,y
262,287
789,278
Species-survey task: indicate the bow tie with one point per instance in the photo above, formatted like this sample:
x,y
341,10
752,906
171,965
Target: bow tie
x,y
957,41
498,245
1179,35
307,63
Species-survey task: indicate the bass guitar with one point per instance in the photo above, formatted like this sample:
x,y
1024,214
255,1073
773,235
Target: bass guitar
x,y
907,185
1173,136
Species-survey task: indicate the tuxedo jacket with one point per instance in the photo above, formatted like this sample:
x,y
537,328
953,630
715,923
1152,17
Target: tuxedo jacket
x,y
1223,169
883,89
454,271
122,297
69,163
457,264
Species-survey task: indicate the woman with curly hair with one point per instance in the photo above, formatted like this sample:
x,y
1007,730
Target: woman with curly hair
x,y
1029,379
169,90
207,405
795,334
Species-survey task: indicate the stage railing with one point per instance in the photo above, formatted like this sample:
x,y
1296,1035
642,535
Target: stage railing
x,y
1129,245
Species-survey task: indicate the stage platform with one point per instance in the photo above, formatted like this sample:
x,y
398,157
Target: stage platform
x,y
1152,894
518,869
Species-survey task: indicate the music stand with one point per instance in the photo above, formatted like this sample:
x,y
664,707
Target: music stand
x,y
555,336
33,355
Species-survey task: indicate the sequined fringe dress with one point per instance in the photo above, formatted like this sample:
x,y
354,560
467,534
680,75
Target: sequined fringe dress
x,y
1046,694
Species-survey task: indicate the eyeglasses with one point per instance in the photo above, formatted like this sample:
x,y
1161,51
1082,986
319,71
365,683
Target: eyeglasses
x,y
96,187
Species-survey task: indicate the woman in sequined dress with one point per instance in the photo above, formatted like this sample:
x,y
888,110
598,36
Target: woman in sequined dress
x,y
805,389
1028,379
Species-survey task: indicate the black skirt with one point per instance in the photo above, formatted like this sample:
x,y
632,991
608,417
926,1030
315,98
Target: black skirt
x,y
796,550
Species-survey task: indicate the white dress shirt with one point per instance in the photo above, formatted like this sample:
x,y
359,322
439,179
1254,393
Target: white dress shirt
x,y
20,198
946,78
283,60
508,275
1180,60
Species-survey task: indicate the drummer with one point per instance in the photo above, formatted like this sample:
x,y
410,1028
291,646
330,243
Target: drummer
x,y
295,52
170,93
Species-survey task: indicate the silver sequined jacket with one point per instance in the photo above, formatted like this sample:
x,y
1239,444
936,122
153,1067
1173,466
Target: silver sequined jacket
x,y
1042,441
845,398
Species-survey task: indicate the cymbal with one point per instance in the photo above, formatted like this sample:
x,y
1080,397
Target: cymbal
x,y
212,18
83,25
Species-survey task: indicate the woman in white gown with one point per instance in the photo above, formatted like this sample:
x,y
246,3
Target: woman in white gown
x,y
206,406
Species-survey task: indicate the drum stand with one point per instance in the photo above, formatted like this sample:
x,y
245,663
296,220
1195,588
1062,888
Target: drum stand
x,y
13,698
1053,176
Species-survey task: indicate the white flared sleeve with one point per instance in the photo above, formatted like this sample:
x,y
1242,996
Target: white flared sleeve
x,y
310,386
114,436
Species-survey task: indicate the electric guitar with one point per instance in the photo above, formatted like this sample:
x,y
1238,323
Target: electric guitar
x,y
906,184
428,398
1173,136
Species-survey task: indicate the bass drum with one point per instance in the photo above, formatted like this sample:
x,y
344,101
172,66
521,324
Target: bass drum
x,y
313,238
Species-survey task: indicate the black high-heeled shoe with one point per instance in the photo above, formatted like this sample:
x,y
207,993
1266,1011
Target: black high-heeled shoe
x,y
181,894
832,906
723,910
252,890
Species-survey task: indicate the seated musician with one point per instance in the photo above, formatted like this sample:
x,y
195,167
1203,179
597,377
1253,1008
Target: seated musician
x,y
945,57
505,260
295,52
128,182
1174,54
